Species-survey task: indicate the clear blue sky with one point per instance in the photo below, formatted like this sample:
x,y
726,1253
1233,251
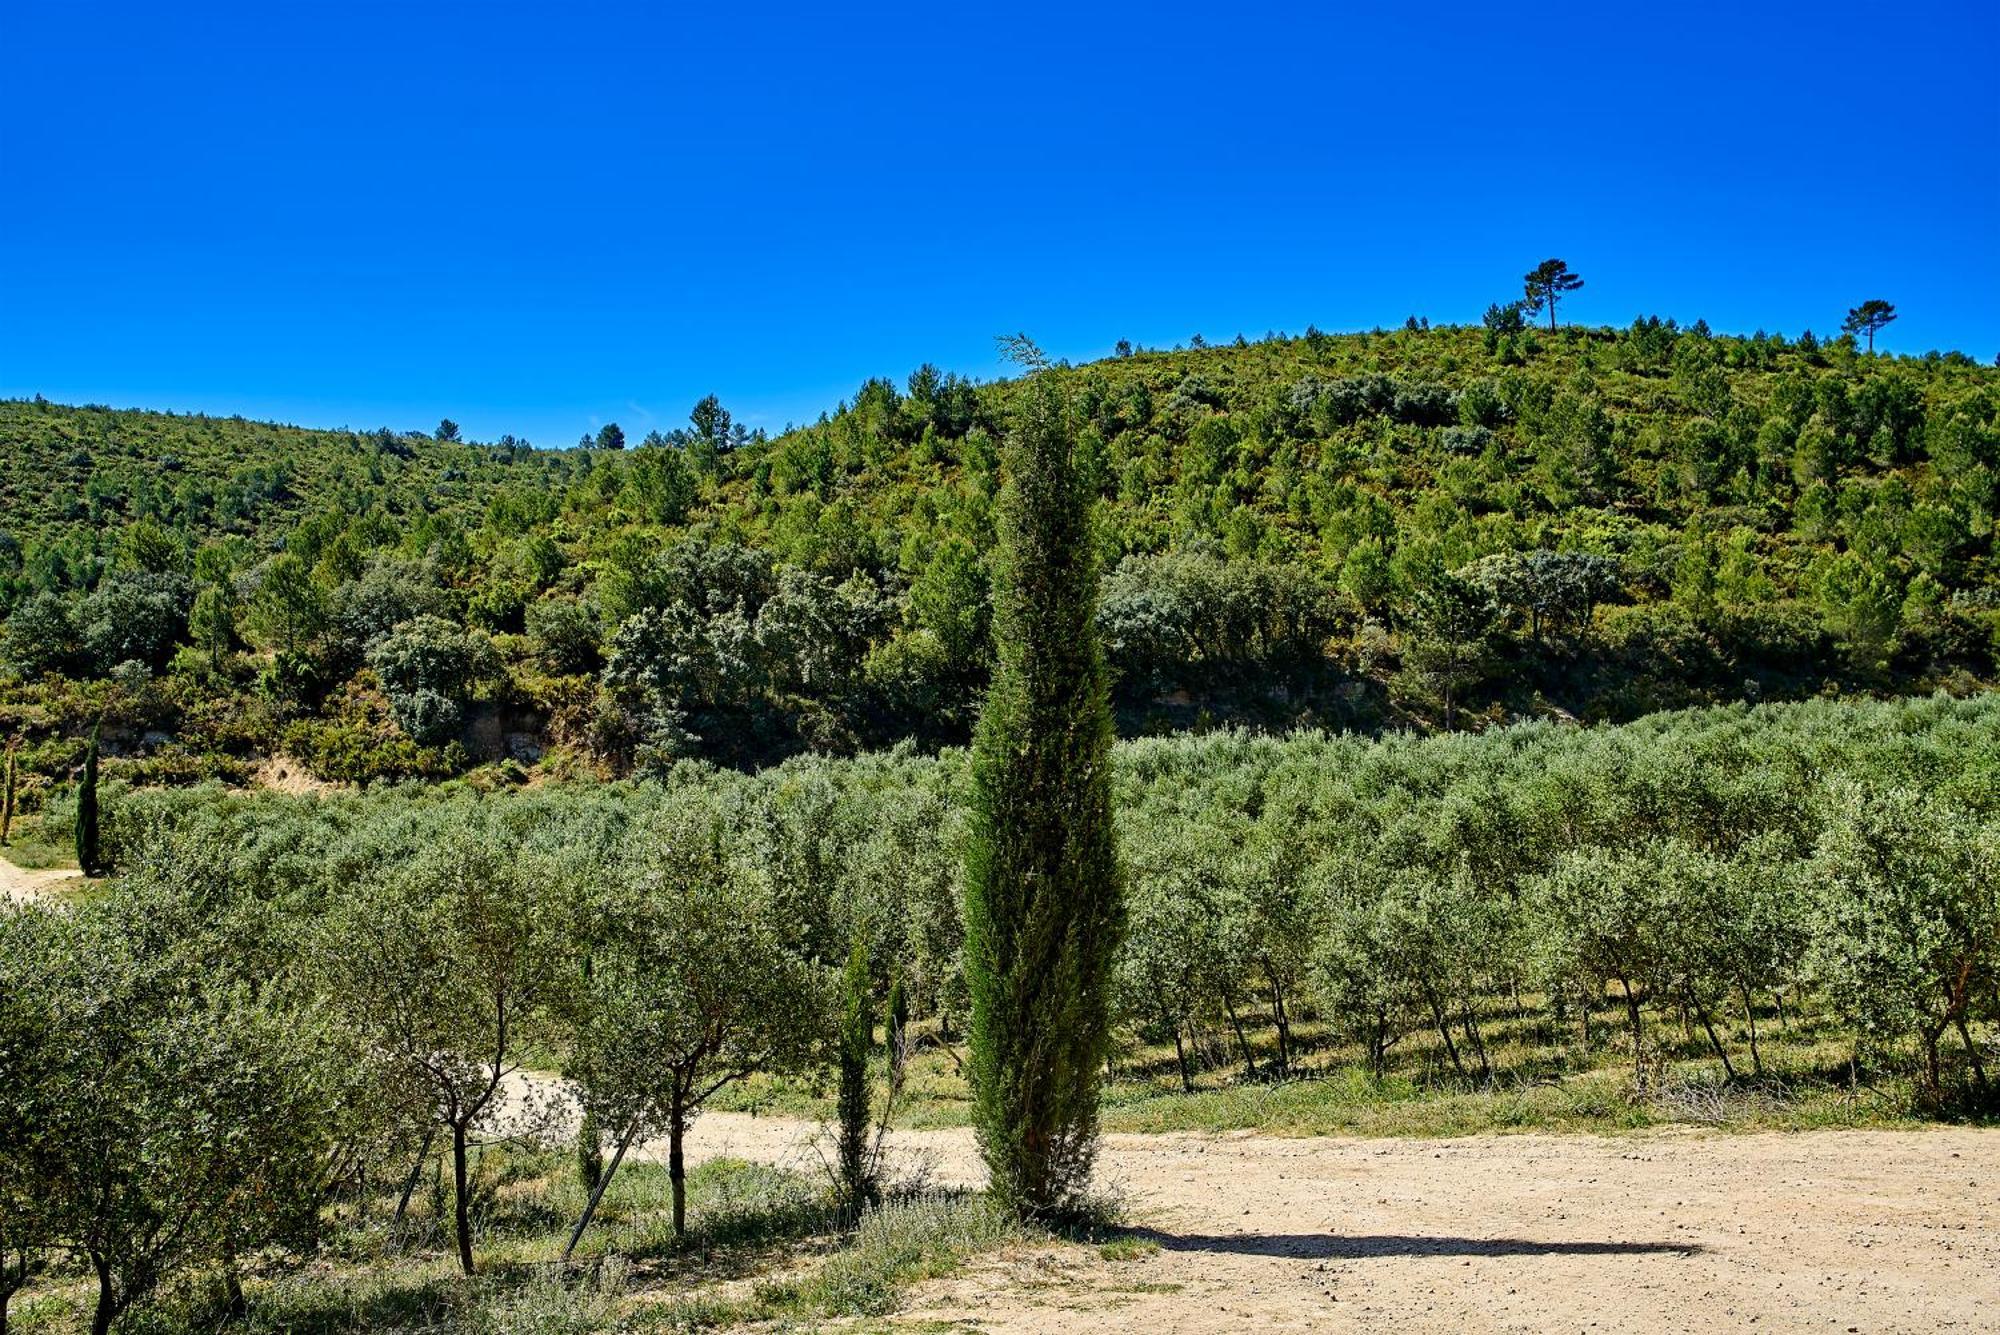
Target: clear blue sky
x,y
537,217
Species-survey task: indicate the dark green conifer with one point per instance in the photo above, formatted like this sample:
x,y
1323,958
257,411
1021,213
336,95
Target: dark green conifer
x,y
857,1037
7,799
895,1035
88,848
1043,910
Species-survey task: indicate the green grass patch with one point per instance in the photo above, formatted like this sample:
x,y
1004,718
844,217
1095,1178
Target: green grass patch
x,y
1128,1248
900,1244
1537,1085
35,846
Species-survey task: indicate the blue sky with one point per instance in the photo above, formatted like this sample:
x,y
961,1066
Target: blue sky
x,y
537,217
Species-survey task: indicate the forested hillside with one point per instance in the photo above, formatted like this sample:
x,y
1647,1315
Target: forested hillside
x,y
1440,528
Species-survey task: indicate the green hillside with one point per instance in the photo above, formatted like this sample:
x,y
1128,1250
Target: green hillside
x,y
1425,527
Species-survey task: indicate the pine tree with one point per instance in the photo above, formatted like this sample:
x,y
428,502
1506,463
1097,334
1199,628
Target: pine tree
x,y
1043,903
1869,318
1545,284
87,846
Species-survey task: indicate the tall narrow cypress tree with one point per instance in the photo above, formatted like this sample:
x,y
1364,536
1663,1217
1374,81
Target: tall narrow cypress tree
x,y
857,1038
87,847
7,800
1043,903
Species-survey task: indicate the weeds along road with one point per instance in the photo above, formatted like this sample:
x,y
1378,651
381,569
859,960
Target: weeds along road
x,y
1660,1231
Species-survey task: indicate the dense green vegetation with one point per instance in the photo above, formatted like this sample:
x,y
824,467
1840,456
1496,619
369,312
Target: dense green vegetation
x,y
1443,527
1788,909
658,786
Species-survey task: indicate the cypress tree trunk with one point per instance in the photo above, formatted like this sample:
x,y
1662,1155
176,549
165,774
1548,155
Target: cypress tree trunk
x,y
86,812
1043,910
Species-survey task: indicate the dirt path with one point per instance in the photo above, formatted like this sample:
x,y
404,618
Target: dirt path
x,y
1827,1231
24,886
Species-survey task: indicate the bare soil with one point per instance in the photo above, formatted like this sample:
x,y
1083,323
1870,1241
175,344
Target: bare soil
x,y
1662,1231
24,886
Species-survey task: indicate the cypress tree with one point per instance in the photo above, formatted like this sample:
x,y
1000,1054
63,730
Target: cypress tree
x,y
589,1136
1043,904
857,1037
7,799
899,1020
589,1153
87,848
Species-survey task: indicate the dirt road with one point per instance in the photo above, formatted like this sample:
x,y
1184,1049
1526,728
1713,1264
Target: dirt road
x,y
22,885
1828,1231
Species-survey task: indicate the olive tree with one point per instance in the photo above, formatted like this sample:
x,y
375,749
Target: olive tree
x,y
32,1063
696,981
1908,935
438,957
1404,946
1697,933
1169,961
1769,919
173,1116
1279,923
1597,923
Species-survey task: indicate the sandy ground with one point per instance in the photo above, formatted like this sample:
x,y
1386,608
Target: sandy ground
x,y
26,885
1825,1231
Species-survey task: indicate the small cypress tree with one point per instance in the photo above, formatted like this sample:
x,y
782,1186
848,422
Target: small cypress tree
x,y
857,1037
1043,904
899,1021
589,1136
7,799
87,845
589,1153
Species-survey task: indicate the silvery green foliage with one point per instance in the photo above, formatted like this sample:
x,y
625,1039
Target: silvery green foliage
x,y
1907,942
430,667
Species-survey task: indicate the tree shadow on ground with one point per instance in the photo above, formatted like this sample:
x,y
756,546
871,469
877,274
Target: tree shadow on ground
x,y
1362,1246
